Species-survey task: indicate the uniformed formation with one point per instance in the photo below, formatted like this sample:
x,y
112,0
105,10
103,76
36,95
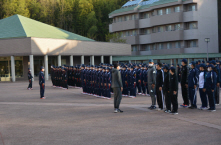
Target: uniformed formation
x,y
160,81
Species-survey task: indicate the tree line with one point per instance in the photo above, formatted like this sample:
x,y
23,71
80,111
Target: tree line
x,y
88,18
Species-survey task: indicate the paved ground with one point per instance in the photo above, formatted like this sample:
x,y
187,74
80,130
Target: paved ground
x,y
70,118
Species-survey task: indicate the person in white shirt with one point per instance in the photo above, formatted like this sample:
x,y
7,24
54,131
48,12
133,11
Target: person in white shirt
x,y
202,87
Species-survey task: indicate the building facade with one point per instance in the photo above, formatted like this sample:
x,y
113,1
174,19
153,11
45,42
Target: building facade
x,y
168,29
26,43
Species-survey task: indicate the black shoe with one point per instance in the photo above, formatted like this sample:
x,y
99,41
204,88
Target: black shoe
x,y
212,110
191,107
118,110
150,107
174,112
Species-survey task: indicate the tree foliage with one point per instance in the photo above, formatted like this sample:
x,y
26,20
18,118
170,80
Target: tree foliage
x,y
88,18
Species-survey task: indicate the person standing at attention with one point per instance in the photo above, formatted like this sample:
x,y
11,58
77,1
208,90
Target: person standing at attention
x,y
117,87
42,82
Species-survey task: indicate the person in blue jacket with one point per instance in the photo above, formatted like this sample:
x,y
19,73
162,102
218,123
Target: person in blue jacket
x,y
192,85
202,86
218,80
42,82
210,87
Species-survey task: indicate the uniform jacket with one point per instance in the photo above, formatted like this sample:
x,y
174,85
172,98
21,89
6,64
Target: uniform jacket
x,y
184,75
173,83
166,82
159,78
29,75
192,78
41,78
211,80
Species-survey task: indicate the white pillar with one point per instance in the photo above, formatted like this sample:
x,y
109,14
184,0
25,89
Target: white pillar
x,y
102,59
111,62
13,68
171,61
31,60
82,59
71,60
46,66
59,60
92,60
188,61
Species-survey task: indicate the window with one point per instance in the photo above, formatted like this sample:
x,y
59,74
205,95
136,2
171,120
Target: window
x,y
168,28
152,13
154,47
160,46
133,17
177,9
160,12
134,32
193,43
120,19
146,48
153,30
168,10
168,45
148,31
160,29
177,27
146,15
177,45
192,7
134,48
192,25
127,33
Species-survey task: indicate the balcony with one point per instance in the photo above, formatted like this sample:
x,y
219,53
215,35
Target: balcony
x,y
190,16
145,39
125,25
167,36
191,34
132,39
176,17
144,23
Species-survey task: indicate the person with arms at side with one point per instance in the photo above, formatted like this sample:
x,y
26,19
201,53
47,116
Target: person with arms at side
x,y
166,89
117,87
42,82
30,79
184,83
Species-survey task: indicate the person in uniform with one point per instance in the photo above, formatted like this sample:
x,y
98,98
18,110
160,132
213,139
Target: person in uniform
x,y
144,80
159,85
192,86
29,79
151,80
42,83
210,87
184,83
133,80
166,89
173,88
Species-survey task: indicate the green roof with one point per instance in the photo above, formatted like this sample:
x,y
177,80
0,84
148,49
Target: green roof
x,y
142,6
123,10
18,26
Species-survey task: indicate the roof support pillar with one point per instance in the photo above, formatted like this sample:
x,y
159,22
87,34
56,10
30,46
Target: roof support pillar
x,y
102,59
13,68
71,60
82,59
46,66
59,60
92,60
111,61
31,60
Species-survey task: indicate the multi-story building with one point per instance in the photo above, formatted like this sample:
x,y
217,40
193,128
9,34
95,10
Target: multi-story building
x,y
168,30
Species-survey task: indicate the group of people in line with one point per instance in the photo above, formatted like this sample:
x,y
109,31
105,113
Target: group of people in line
x,y
157,80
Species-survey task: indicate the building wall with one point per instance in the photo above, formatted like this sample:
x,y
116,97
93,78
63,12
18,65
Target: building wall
x,y
205,16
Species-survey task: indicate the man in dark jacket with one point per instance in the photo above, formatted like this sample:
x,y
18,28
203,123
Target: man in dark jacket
x,y
184,83
166,89
159,85
30,79
42,83
117,87
173,90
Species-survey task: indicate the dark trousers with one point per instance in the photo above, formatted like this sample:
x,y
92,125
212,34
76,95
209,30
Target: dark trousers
x,y
217,95
139,87
192,96
203,97
167,100
42,90
160,98
30,84
185,95
117,97
133,91
174,101
144,88
211,98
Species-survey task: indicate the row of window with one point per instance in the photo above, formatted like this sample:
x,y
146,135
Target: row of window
x,y
147,31
190,7
168,45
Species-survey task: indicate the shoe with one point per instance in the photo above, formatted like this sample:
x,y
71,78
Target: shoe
x,y
159,109
150,107
191,107
115,110
165,111
182,105
212,110
168,111
185,106
43,98
174,113
201,108
31,89
120,111
108,98
204,108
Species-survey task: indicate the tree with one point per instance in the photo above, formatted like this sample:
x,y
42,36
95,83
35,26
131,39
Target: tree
x,y
115,38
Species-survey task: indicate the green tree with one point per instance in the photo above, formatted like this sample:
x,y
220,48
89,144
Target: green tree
x,y
115,38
